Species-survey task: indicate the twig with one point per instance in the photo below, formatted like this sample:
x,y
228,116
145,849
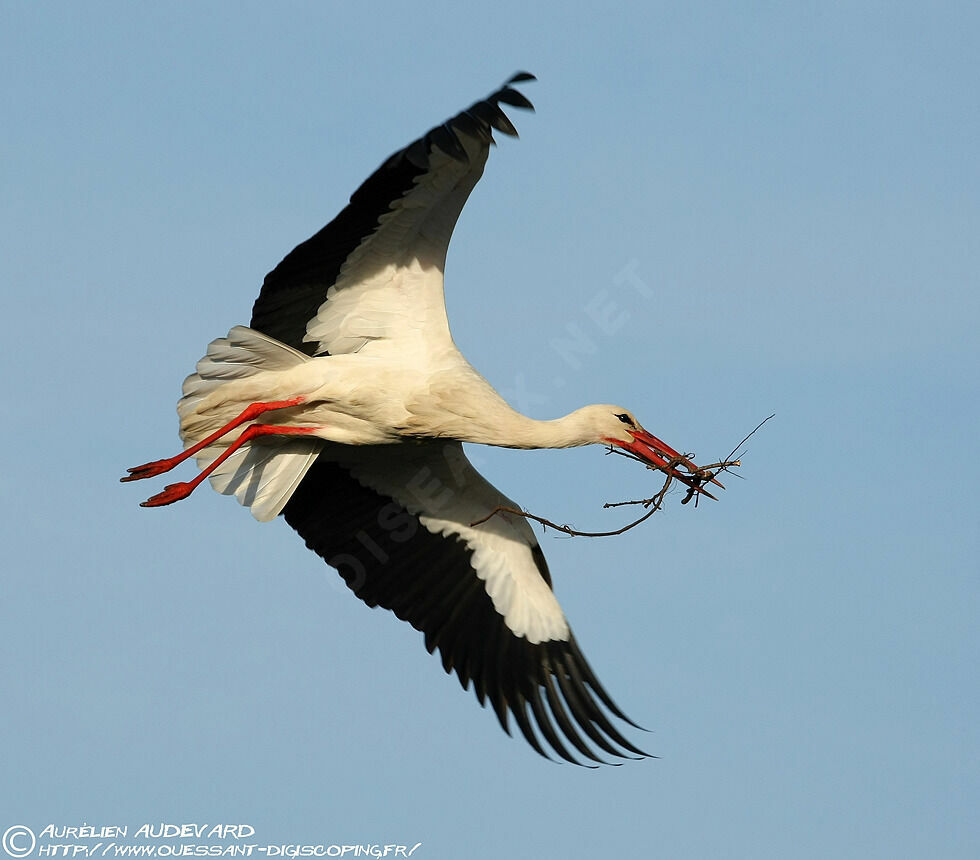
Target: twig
x,y
746,439
501,509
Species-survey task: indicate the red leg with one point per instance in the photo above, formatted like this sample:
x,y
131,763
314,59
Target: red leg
x,y
175,492
158,467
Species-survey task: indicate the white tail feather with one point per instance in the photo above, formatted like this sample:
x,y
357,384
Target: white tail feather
x,y
261,475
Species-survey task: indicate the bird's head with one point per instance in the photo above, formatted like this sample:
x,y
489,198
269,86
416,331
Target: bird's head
x,y
619,428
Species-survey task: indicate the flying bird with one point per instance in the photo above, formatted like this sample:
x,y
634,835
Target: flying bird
x,y
343,406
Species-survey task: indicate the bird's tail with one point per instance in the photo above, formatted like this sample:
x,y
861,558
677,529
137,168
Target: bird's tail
x,y
238,370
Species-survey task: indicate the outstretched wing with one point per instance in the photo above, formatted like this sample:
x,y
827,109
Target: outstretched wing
x,y
372,278
397,524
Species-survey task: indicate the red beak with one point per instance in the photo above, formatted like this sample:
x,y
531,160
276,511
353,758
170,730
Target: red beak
x,y
660,455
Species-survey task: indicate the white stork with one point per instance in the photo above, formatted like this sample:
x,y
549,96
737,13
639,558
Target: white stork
x,y
355,403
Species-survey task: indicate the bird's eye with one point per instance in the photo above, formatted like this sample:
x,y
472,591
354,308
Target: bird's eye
x,y
626,420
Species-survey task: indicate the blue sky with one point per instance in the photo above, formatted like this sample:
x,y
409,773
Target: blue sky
x,y
781,204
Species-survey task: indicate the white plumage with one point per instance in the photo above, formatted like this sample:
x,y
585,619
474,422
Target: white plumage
x,y
353,402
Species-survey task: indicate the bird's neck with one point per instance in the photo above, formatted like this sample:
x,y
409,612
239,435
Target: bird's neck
x,y
508,428
464,406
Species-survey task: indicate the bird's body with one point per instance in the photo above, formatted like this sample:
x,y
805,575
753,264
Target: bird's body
x,y
354,400
348,399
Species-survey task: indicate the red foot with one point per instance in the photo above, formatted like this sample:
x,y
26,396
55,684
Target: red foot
x,y
171,493
150,470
